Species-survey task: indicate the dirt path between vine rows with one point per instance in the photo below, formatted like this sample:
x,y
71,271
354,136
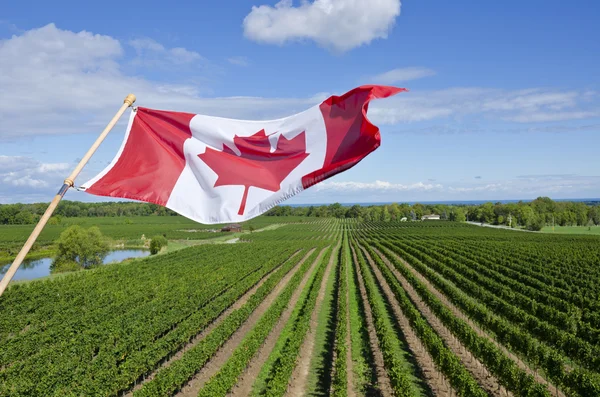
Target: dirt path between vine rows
x,y
236,305
458,313
383,381
298,380
247,378
192,388
348,341
437,382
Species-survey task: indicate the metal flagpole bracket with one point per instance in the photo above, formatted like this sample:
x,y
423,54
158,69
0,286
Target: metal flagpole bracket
x,y
63,189
68,183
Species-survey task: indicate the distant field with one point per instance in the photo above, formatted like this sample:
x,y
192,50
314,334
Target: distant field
x,y
572,230
122,229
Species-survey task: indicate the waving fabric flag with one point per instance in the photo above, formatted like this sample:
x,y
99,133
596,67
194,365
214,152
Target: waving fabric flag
x,y
216,170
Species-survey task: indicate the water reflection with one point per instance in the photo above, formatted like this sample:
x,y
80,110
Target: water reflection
x,y
32,269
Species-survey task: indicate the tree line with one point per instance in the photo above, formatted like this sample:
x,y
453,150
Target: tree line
x,y
23,214
531,215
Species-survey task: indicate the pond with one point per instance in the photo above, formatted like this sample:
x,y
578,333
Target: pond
x,y
32,269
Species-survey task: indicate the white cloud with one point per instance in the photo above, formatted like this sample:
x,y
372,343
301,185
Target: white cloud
x,y
522,106
29,174
377,185
337,24
239,61
521,187
540,117
402,74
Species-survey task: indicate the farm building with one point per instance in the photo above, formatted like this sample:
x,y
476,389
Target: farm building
x,y
232,228
430,218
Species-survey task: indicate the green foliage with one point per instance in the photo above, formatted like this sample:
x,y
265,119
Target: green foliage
x,y
66,266
77,245
534,223
55,220
156,244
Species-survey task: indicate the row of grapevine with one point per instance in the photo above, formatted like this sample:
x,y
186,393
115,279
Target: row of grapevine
x,y
339,384
399,371
173,377
506,370
449,364
291,339
504,288
222,382
577,350
582,382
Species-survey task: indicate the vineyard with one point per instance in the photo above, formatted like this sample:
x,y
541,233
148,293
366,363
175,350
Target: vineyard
x,y
317,307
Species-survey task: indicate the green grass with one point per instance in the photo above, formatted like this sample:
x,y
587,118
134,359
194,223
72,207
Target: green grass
x,y
589,230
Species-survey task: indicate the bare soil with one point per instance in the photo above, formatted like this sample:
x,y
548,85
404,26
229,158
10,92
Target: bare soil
x,y
298,380
349,362
458,313
383,381
216,362
246,380
437,382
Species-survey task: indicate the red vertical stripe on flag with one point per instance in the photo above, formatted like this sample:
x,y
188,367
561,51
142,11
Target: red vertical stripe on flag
x,y
152,159
350,135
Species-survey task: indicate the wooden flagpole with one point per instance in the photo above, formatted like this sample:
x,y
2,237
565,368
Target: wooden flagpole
x,y
69,182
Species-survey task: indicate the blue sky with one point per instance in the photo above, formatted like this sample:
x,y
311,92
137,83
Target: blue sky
x,y
504,99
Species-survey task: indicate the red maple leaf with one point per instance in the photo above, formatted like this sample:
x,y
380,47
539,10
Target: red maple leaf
x,y
256,165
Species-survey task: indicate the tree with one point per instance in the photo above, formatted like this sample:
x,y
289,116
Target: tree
x,y
80,248
24,218
535,223
251,228
156,243
385,214
353,212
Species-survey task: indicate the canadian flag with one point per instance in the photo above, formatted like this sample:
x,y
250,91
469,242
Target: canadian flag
x,y
216,170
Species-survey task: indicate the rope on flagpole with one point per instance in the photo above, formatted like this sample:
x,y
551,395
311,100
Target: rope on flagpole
x,y
68,183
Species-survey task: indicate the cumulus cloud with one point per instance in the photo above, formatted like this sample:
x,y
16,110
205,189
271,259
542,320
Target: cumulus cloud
x,y
73,83
336,24
402,74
